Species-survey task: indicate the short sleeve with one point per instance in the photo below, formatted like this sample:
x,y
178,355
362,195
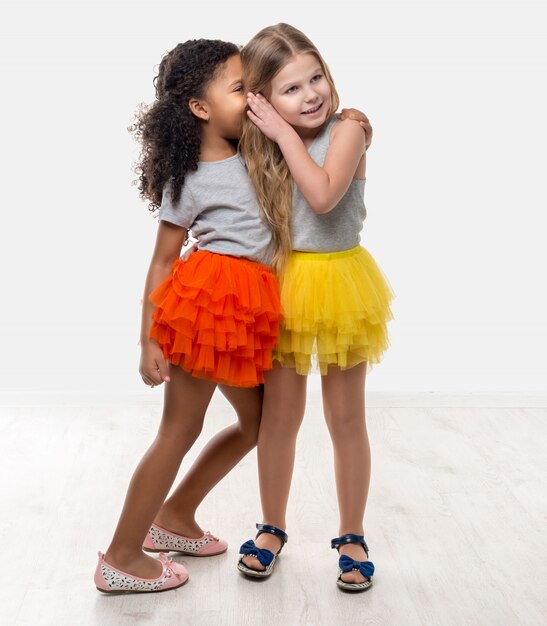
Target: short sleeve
x,y
182,213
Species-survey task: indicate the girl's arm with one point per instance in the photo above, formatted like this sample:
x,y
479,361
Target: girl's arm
x,y
322,187
169,241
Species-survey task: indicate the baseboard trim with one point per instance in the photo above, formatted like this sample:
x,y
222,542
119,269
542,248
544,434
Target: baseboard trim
x,y
393,399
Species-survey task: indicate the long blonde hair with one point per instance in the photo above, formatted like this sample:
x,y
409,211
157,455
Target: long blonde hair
x,y
263,58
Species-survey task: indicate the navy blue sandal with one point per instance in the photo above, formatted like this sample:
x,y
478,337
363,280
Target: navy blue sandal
x,y
347,564
266,557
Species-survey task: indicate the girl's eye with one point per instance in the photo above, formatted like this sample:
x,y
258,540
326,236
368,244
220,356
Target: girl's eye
x,y
317,77
240,88
291,89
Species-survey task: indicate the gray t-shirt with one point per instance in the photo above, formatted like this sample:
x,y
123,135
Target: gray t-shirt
x,y
338,229
219,205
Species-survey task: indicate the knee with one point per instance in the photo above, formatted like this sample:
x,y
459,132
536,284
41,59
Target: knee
x,y
248,433
180,434
282,421
345,424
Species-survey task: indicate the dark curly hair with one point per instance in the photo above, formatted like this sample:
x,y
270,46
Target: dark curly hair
x,y
167,130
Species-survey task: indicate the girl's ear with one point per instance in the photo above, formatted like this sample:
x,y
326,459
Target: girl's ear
x,y
199,109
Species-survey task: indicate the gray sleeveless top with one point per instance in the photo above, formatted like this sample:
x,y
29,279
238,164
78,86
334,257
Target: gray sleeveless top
x,y
338,229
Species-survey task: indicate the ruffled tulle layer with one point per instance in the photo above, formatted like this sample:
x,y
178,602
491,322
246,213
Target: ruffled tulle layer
x,y
217,317
336,308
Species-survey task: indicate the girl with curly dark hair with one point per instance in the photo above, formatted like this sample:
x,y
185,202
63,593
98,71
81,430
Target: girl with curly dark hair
x,y
207,320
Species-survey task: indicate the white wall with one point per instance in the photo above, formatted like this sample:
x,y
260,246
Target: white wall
x,y
456,181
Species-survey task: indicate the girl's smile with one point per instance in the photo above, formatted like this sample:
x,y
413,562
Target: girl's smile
x,y
314,110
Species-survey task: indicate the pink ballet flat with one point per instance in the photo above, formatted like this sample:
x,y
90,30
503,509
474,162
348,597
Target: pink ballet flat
x,y
160,540
109,579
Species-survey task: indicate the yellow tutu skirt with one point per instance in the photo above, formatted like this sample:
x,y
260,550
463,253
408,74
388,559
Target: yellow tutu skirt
x,y
336,306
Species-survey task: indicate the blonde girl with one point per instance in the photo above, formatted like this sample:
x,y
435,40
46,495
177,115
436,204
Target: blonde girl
x,y
308,168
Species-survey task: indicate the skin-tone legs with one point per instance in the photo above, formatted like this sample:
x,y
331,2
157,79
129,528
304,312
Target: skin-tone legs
x,y
220,455
282,414
185,402
186,399
344,408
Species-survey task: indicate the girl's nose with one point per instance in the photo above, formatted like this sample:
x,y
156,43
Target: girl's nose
x,y
310,96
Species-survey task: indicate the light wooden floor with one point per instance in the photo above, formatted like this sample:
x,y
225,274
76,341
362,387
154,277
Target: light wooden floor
x,y
456,519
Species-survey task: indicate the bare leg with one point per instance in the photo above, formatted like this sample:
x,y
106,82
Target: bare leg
x,y
344,408
282,414
186,399
221,454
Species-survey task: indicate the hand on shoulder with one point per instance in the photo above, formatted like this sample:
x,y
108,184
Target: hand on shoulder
x,y
364,122
350,133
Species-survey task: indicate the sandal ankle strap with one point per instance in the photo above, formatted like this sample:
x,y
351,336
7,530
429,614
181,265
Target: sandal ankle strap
x,y
273,530
349,538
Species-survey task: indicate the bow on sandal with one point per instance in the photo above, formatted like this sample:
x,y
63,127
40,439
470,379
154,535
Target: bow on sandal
x,y
347,564
266,557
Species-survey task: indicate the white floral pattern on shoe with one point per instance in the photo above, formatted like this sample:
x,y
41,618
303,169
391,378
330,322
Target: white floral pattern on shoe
x,y
165,540
117,580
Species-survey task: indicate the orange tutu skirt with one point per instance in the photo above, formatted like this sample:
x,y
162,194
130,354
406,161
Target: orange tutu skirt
x,y
217,317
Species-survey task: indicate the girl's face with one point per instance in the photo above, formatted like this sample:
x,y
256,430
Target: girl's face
x,y
301,93
226,100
